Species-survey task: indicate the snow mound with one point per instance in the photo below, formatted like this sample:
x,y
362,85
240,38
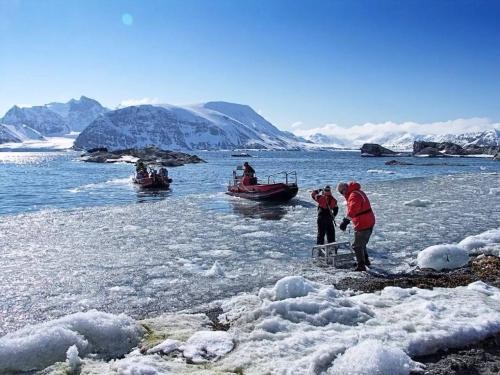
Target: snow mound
x,y
288,287
372,357
166,347
73,359
418,203
310,332
138,365
488,241
38,346
215,271
440,257
206,346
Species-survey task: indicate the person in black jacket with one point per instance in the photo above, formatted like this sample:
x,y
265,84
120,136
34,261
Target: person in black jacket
x,y
327,210
250,173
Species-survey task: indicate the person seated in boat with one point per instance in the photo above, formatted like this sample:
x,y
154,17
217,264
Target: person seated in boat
x,y
246,180
249,172
153,175
141,174
139,166
163,172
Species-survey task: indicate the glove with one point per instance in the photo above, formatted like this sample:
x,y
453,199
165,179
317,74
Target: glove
x,y
344,224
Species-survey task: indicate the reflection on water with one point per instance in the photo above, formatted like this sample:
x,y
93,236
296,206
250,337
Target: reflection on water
x,y
151,195
266,210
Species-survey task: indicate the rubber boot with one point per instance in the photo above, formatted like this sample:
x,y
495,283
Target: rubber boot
x,y
360,258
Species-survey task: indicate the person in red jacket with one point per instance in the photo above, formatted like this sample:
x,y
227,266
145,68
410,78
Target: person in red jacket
x,y
359,211
327,210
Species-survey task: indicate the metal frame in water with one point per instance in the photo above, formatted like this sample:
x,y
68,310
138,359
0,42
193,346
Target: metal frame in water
x,y
338,254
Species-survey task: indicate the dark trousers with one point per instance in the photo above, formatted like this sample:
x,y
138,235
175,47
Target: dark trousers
x,y
325,226
361,239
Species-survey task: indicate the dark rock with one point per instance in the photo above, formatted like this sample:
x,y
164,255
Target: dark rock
x,y
447,148
97,149
486,268
373,149
497,156
429,151
146,155
397,162
482,357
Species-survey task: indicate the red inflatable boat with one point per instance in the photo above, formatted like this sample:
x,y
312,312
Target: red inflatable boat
x,y
272,191
156,182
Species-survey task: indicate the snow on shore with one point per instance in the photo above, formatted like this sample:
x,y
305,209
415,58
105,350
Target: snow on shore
x,y
297,326
38,346
450,256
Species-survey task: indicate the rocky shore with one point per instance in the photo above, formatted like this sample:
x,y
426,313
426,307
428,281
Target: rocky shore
x,y
147,155
482,358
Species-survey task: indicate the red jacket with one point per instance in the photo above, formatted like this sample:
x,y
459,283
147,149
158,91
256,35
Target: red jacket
x,y
359,209
325,201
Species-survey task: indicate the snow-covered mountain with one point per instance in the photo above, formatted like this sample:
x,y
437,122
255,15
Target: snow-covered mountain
x,y
211,126
403,141
39,118
18,133
78,113
56,119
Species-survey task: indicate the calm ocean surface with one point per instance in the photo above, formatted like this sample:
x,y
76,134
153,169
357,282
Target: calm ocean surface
x,y
32,181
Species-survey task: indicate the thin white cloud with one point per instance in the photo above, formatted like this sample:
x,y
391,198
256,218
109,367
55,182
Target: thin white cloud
x,y
131,102
370,130
296,124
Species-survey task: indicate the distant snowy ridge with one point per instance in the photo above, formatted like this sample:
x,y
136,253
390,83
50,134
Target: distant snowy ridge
x,y
207,126
402,141
55,119
400,136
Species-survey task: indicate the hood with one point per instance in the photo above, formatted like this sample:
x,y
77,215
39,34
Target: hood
x,y
352,186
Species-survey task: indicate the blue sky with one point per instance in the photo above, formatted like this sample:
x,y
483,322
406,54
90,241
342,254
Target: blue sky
x,y
306,63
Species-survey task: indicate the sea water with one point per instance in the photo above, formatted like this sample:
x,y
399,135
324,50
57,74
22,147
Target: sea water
x,y
76,236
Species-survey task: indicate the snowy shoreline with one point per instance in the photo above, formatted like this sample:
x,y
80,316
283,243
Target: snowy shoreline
x,y
296,325
297,313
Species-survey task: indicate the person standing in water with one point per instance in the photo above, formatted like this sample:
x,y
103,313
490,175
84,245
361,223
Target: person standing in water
x,y
327,210
359,211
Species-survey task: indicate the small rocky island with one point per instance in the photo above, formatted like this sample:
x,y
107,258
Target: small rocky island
x,y
431,149
147,155
374,149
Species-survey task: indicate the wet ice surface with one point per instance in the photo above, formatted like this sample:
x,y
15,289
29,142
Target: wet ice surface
x,y
147,259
